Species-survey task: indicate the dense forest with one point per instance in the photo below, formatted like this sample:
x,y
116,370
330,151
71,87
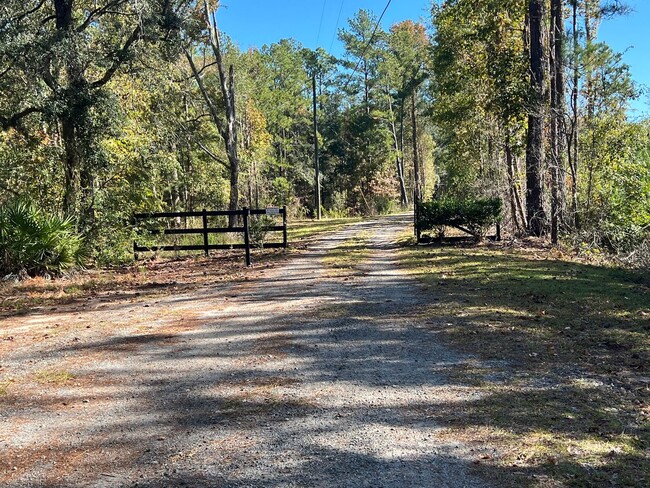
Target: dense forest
x,y
110,107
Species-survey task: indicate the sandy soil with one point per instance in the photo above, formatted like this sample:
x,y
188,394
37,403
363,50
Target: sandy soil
x,y
292,376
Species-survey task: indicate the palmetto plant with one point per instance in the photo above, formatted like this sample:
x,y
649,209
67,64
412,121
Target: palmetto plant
x,y
35,242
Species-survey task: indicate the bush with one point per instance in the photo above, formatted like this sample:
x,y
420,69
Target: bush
x,y
259,226
36,243
469,215
384,205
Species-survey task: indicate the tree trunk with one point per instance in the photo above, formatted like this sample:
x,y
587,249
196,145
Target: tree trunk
x,y
74,94
72,161
399,158
366,88
416,156
591,26
228,130
511,185
557,113
231,145
402,114
518,200
399,161
535,137
71,167
515,199
573,137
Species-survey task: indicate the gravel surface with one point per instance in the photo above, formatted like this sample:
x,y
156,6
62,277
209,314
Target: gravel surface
x,y
296,377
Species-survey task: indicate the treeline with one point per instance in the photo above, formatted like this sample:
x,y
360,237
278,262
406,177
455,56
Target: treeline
x,y
529,106
113,107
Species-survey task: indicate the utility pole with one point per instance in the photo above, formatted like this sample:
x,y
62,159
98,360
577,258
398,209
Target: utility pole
x,y
316,162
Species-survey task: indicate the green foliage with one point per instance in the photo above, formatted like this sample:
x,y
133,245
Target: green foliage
x,y
259,229
480,84
57,60
281,191
472,215
100,118
36,243
616,193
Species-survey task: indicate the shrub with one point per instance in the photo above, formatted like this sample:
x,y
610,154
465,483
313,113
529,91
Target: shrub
x,y
474,216
258,228
36,243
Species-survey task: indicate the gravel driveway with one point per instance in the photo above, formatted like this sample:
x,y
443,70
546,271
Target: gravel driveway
x,y
295,377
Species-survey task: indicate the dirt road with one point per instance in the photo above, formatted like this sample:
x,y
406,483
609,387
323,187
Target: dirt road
x,y
296,377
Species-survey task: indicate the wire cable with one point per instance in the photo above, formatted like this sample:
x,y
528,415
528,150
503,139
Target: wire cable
x,y
320,24
365,49
338,19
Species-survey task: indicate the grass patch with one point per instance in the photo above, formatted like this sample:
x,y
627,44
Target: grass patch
x,y
329,312
53,377
4,386
303,229
348,254
567,347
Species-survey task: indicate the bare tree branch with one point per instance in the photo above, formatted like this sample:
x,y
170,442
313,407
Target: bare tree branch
x,y
120,57
29,12
9,122
199,72
47,19
98,12
215,44
213,156
206,96
48,78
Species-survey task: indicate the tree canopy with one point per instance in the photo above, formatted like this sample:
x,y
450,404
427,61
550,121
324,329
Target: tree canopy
x,y
111,107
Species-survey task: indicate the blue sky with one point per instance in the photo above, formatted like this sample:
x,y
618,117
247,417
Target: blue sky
x,y
253,23
258,22
629,35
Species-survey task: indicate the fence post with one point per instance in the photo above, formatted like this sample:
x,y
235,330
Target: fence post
x,y
418,232
247,237
284,224
205,232
498,231
415,213
135,251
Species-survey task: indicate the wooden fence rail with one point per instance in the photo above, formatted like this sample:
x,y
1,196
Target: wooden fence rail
x,y
206,247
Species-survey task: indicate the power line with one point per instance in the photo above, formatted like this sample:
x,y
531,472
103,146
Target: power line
x,y
320,24
338,19
365,49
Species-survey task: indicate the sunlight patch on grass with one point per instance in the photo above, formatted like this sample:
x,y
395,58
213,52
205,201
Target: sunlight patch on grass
x,y
348,254
567,408
303,229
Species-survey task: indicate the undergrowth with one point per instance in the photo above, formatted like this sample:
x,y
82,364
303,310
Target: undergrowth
x,y
34,242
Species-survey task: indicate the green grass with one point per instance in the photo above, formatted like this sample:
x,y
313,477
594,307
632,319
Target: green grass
x,y
53,377
566,392
4,386
348,254
302,229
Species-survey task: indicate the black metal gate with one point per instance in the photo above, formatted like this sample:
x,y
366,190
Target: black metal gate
x,y
205,230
